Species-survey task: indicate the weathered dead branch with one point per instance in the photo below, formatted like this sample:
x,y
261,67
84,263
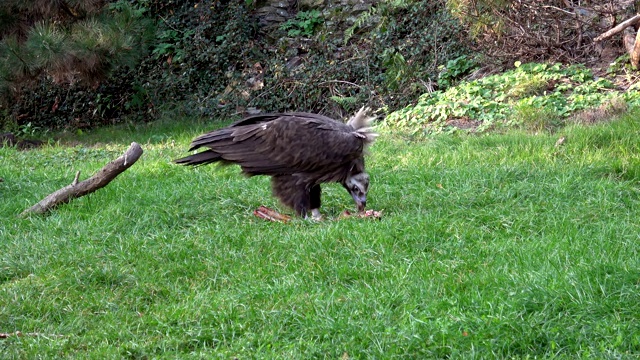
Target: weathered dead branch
x,y
619,28
78,189
630,38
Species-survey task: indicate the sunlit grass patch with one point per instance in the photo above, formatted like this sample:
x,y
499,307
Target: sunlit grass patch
x,y
499,245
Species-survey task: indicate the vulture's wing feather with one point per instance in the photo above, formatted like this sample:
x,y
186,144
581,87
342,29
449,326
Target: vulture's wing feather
x,y
261,118
221,137
275,144
305,144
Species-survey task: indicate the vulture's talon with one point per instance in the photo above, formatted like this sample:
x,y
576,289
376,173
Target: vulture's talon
x,y
316,215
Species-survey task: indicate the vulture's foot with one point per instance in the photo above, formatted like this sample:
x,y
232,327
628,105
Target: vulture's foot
x,y
316,215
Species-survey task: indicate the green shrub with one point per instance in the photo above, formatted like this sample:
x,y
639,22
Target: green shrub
x,y
386,57
201,52
536,96
385,62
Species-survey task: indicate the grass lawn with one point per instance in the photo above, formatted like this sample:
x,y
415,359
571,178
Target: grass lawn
x,y
491,246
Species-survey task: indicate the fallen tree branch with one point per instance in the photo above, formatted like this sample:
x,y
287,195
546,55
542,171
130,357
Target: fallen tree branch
x,y
99,180
623,25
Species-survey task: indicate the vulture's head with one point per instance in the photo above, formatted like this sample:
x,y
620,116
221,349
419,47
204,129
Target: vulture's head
x,y
357,183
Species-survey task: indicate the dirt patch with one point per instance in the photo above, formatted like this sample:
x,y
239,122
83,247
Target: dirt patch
x,y
464,124
603,113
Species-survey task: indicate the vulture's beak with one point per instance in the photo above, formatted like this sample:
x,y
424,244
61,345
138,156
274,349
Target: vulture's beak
x,y
361,201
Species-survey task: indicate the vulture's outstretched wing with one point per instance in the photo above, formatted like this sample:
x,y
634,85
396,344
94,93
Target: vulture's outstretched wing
x,y
276,144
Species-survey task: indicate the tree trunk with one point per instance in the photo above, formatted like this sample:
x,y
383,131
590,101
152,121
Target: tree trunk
x,y
632,44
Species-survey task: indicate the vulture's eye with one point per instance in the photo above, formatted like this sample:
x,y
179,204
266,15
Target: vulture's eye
x,y
355,189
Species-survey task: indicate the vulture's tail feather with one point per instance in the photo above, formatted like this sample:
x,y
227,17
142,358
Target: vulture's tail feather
x,y
219,136
202,158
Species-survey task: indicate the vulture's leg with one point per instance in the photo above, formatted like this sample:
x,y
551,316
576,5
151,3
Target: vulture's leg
x,y
302,206
314,202
291,194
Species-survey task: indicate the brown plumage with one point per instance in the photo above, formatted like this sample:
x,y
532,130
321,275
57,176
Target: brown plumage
x,y
299,151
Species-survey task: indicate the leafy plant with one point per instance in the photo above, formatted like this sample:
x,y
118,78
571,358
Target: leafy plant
x,y
304,23
28,130
360,21
396,68
620,65
382,14
454,70
170,44
138,99
346,102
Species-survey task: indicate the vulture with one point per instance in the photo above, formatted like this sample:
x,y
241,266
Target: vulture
x,y
298,150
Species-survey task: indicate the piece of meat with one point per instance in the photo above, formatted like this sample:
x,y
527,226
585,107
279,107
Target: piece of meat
x,y
266,213
375,214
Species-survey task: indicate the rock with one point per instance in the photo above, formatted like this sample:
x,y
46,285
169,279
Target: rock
x,y
271,16
282,12
310,4
274,18
293,63
360,8
280,4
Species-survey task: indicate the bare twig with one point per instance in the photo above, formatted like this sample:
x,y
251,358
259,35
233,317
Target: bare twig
x,y
558,9
75,180
339,82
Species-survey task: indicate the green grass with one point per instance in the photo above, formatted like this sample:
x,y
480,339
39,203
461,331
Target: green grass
x,y
492,246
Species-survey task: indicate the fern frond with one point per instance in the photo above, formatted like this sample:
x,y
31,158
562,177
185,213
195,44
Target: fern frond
x,y
363,19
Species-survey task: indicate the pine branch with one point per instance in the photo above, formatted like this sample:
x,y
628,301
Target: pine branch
x,y
69,11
